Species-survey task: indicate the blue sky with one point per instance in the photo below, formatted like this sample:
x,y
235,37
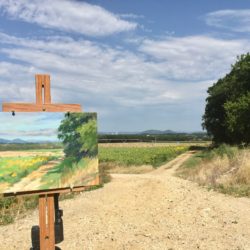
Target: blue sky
x,y
31,127
139,64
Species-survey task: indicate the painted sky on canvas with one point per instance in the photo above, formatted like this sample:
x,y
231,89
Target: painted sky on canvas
x,y
139,64
30,127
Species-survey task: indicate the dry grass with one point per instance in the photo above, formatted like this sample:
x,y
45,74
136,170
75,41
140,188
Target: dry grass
x,y
227,174
112,168
240,174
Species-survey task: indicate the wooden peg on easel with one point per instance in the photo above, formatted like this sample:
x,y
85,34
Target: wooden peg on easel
x,y
43,100
43,89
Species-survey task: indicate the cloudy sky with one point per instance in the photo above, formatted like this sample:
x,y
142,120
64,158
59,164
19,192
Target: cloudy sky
x,y
139,64
31,127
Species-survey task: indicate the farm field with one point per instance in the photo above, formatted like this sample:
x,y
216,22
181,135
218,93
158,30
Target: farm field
x,y
129,158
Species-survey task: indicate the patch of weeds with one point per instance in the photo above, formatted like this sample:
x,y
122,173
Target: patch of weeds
x,y
13,207
238,191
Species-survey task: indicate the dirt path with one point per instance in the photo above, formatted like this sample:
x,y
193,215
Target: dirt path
x,y
148,211
33,180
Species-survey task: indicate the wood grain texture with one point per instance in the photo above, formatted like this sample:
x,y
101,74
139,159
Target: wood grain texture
x,y
39,97
56,190
42,222
47,95
30,107
51,221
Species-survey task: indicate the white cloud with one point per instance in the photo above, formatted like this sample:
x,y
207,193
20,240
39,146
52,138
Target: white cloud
x,y
235,20
65,15
195,57
32,133
170,71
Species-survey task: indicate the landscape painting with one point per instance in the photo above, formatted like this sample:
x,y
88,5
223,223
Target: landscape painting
x,y
43,151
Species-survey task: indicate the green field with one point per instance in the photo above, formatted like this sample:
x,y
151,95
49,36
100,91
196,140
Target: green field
x,y
140,155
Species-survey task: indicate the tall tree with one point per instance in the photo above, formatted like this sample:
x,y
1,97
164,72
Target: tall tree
x,y
227,112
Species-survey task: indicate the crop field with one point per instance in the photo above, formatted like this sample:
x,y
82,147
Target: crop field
x,y
137,154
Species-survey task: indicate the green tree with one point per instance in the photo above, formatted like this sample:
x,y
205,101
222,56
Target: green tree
x,y
78,132
227,109
238,118
88,137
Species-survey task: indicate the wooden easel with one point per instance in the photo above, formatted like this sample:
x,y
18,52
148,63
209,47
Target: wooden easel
x,y
46,198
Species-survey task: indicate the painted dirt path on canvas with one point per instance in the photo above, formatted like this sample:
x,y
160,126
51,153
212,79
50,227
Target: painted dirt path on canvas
x,y
155,210
33,181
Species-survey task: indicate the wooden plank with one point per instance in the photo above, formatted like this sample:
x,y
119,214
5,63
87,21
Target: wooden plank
x,y
39,98
96,181
42,221
47,95
30,107
51,220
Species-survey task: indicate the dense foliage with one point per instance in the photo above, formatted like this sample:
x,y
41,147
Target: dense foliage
x,y
227,112
78,134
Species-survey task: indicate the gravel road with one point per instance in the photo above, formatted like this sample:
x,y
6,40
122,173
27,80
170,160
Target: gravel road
x,y
148,211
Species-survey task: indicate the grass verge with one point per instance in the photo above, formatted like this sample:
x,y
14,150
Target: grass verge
x,y
226,169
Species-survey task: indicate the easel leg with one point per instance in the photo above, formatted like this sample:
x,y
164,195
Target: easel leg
x,y
46,222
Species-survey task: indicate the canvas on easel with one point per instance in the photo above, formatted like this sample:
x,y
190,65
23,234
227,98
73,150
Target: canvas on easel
x,y
44,151
61,157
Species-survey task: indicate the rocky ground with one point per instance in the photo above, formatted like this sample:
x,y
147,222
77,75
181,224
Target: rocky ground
x,y
146,211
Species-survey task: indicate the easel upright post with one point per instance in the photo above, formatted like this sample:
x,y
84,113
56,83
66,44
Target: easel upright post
x,y
47,200
46,222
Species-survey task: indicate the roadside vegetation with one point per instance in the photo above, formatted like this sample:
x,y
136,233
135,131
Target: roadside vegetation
x,y
225,168
226,119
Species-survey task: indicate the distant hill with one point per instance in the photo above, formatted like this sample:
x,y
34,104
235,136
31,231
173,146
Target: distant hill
x,y
158,132
20,141
14,141
150,132
3,141
17,140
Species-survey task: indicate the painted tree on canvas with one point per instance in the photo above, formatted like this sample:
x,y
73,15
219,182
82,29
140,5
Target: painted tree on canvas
x,y
78,132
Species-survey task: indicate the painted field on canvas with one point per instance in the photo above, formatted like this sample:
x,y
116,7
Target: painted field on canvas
x,y
42,151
